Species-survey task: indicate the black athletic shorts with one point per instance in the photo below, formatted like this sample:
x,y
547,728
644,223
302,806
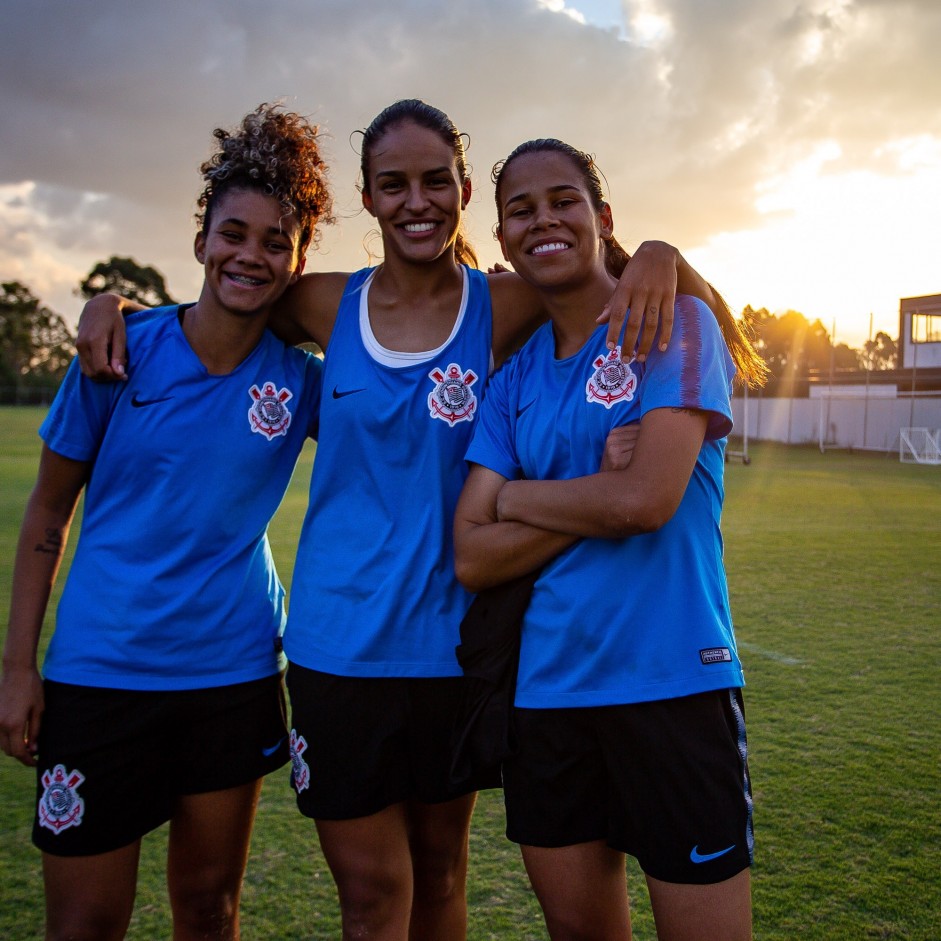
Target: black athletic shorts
x,y
666,782
361,744
113,762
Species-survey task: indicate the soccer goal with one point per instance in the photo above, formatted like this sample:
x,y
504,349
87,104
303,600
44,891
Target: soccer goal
x,y
919,446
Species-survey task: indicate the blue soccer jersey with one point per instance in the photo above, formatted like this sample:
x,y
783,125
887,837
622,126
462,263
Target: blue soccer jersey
x,y
616,621
374,591
173,585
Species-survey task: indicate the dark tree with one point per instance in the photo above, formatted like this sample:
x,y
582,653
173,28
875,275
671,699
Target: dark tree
x,y
126,277
36,345
882,352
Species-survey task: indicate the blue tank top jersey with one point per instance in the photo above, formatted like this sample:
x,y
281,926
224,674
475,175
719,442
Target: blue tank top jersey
x,y
173,585
374,591
625,620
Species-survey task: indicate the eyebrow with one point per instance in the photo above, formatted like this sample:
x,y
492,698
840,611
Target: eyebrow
x,y
561,187
442,169
272,229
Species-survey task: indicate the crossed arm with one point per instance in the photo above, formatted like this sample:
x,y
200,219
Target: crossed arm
x,y
505,528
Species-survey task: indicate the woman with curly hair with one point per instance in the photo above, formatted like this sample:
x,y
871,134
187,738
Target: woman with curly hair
x,y
161,697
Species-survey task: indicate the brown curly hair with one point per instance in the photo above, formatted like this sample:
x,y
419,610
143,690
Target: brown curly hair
x,y
277,152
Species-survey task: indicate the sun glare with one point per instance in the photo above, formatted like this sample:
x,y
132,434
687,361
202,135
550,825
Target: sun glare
x,y
837,246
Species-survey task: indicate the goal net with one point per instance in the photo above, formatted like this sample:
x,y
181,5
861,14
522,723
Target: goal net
x,y
919,446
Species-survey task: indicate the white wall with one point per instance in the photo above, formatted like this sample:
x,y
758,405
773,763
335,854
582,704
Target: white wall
x,y
849,421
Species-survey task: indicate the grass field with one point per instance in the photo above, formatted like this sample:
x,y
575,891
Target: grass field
x,y
835,573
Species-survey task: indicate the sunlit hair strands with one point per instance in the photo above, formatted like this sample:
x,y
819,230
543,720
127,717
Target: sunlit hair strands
x,y
275,152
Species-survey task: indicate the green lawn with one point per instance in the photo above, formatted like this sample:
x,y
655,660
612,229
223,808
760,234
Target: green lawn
x,y
835,572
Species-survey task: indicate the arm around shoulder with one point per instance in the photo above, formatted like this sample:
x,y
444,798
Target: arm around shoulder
x,y
517,313
102,337
307,310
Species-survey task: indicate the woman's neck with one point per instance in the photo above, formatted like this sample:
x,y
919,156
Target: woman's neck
x,y
574,313
221,340
413,307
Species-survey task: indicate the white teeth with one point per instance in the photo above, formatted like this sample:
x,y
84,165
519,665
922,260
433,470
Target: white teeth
x,y
244,279
419,227
549,247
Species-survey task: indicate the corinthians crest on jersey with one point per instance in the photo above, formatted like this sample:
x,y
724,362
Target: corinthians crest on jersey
x,y
611,381
452,399
269,414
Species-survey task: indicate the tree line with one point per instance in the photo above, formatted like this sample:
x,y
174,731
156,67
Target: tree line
x,y
37,345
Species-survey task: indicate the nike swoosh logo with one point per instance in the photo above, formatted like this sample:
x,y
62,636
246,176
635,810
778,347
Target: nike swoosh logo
x,y
140,403
698,857
339,395
523,408
268,752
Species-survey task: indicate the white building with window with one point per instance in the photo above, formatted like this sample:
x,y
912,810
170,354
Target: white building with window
x,y
920,332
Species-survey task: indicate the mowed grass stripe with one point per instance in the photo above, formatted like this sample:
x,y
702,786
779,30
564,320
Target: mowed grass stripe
x,y
836,589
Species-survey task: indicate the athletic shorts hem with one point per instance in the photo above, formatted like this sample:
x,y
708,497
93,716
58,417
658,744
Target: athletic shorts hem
x,y
665,782
113,764
360,745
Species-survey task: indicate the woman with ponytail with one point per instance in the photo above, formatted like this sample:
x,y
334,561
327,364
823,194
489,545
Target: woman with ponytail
x,y
628,707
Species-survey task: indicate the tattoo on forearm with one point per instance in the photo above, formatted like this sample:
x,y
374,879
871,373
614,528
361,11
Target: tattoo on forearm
x,y
52,544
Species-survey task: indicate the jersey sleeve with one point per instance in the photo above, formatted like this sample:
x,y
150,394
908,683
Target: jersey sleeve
x,y
493,445
695,371
78,417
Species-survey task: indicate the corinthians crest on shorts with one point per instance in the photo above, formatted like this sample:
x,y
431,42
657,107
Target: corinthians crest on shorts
x,y
269,414
612,381
300,770
452,399
60,807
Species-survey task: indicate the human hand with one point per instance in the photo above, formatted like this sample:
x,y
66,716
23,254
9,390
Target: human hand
x,y
21,707
619,447
645,292
102,339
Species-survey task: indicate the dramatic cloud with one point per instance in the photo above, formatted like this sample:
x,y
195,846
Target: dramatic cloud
x,y
722,126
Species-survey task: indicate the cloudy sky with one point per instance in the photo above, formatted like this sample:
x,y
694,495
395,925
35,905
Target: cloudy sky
x,y
790,148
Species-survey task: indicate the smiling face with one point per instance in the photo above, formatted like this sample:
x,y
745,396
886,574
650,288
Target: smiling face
x,y
415,192
550,229
250,252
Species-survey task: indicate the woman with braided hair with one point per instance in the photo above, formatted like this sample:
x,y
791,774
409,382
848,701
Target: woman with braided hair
x,y
162,695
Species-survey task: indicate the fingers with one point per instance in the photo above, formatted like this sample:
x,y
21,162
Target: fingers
x,y
102,344
636,319
619,447
666,324
643,297
92,355
22,746
119,352
622,312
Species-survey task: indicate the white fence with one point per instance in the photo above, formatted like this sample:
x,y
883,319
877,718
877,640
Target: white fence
x,y
840,420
